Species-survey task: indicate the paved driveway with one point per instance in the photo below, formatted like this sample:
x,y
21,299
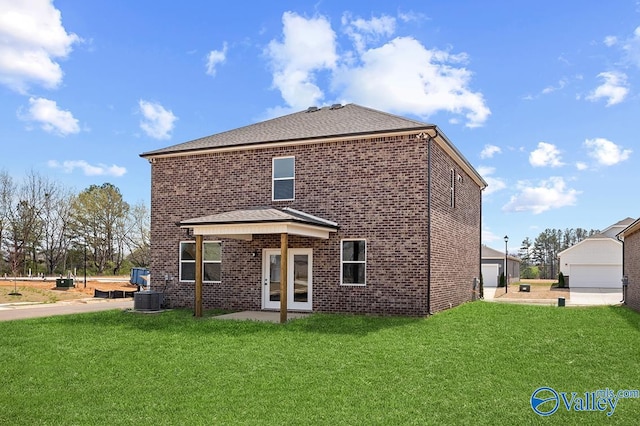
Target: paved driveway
x,y
17,311
594,296
577,297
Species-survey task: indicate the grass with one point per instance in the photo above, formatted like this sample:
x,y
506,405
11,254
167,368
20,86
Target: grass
x,y
475,364
33,294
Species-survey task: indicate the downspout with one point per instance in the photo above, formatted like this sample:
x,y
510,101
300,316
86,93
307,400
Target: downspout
x,y
624,287
428,138
429,224
480,282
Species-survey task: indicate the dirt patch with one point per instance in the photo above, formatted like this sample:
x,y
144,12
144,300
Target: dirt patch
x,y
41,291
540,289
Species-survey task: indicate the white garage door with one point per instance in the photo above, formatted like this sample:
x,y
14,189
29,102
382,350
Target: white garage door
x,y
490,275
605,276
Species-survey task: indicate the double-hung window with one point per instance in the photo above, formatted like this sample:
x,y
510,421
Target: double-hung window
x,y
353,264
211,261
284,177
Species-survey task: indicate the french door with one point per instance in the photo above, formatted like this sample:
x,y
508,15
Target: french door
x,y
299,279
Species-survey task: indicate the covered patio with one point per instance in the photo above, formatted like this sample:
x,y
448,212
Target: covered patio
x,y
243,225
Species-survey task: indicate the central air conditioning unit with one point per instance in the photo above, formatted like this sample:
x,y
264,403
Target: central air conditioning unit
x,y
147,300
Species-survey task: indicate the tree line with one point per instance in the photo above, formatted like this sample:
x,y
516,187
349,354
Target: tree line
x,y
47,228
539,259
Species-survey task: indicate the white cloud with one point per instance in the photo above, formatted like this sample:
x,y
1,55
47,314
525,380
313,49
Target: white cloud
x,y
631,48
614,88
88,169
581,165
610,41
550,89
216,57
489,151
32,38
493,184
605,152
403,76
308,46
413,17
545,155
157,122
364,32
400,76
488,236
548,194
50,117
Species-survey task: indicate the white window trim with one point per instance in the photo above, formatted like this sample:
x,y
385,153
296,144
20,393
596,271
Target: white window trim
x,y
342,262
180,261
452,189
274,179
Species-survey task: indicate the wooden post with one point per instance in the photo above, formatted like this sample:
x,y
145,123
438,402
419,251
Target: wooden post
x,y
198,301
284,246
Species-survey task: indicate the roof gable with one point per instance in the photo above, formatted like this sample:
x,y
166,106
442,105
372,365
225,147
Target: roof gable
x,y
490,253
616,228
594,239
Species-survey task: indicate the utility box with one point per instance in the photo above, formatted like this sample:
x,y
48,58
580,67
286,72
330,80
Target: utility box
x,y
525,287
64,282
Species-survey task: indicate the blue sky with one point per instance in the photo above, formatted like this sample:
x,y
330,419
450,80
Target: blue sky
x,y
542,97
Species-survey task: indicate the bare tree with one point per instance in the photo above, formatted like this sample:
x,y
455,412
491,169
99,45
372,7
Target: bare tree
x,y
56,216
138,235
7,193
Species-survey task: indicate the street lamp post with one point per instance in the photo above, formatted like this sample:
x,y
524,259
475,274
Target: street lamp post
x,y
85,265
506,277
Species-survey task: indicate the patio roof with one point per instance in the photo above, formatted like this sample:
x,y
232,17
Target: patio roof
x,y
243,224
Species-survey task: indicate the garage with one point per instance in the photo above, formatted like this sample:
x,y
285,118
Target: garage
x,y
603,276
490,275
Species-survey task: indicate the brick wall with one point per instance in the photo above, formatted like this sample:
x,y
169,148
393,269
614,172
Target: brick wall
x,y
632,269
455,243
373,188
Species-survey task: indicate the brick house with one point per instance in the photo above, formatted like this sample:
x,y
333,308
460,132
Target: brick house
x,y
336,209
630,237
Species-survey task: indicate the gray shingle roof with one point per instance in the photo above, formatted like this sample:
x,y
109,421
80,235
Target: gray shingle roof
x,y
260,215
350,119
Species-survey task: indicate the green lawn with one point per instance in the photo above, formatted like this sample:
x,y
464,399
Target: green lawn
x,y
475,364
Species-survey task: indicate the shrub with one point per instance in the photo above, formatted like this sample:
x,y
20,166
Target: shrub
x,y
502,282
561,280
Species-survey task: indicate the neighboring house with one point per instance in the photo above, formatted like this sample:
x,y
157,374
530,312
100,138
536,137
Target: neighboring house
x,y
595,261
630,237
493,266
337,209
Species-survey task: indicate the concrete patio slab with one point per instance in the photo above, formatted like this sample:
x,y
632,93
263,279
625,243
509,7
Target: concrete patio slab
x,y
264,316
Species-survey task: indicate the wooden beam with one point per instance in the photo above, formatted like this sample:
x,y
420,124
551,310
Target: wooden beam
x,y
198,290
284,247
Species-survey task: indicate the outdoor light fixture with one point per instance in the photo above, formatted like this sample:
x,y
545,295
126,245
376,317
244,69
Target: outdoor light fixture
x,y
506,279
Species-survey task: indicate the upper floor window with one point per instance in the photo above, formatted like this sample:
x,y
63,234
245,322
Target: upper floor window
x,y
284,177
353,263
211,261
